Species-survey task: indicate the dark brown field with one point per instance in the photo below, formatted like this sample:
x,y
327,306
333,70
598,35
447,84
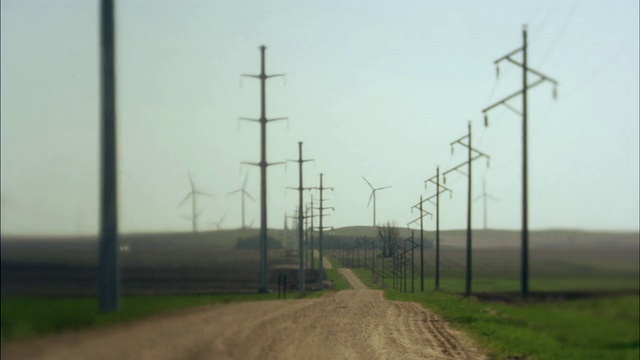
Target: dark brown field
x,y
206,263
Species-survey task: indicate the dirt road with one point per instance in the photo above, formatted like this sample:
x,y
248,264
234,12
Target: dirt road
x,y
326,264
351,324
352,279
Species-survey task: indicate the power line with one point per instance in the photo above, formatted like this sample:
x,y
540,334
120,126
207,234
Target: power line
x,y
565,23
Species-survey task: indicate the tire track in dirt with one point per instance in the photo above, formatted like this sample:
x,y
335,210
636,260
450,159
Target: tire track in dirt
x,y
350,324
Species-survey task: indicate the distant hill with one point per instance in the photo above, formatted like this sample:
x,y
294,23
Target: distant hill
x,y
85,249
512,238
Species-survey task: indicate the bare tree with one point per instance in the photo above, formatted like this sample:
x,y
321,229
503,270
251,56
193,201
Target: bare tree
x,y
390,238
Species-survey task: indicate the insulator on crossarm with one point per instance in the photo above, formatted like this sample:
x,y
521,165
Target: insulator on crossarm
x,y
451,149
497,72
555,92
486,120
488,162
444,179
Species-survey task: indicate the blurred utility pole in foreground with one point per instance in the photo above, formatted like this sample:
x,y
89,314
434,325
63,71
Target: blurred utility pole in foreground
x,y
109,277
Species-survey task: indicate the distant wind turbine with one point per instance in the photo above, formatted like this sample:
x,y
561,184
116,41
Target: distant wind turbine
x,y
219,223
193,194
484,197
243,193
373,196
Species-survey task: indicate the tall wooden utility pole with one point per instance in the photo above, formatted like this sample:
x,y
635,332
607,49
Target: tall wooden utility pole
x,y
439,189
300,189
524,290
321,207
470,159
420,218
264,271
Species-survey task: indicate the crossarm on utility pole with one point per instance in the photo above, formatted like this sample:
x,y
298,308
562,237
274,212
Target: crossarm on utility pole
x,y
463,164
508,55
533,71
519,92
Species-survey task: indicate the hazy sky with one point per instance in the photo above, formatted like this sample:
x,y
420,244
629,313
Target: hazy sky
x,y
373,88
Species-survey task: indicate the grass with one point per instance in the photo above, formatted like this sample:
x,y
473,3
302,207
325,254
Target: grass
x,y
596,328
28,317
339,282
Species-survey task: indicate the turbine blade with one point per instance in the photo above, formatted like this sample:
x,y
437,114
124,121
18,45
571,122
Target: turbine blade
x,y
244,183
382,188
371,197
233,192
185,199
249,196
203,193
191,182
365,179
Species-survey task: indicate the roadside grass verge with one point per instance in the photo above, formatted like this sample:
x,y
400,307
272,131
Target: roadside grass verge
x,y
595,328
28,317
339,283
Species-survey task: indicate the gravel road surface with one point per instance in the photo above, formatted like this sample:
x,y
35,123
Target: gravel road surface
x,y
350,324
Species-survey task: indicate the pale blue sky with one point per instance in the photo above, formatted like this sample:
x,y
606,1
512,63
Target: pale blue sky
x,y
373,88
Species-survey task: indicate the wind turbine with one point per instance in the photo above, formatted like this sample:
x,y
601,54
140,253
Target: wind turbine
x,y
373,196
219,223
484,197
243,193
193,195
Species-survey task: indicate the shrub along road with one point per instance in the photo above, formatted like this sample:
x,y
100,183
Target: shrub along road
x,y
350,324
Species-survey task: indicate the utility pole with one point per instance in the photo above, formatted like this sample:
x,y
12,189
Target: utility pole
x,y
439,189
109,283
470,159
264,272
306,226
300,189
313,265
413,246
320,229
420,218
524,291
294,225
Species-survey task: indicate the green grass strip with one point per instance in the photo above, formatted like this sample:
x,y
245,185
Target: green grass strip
x,y
596,328
339,282
28,317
